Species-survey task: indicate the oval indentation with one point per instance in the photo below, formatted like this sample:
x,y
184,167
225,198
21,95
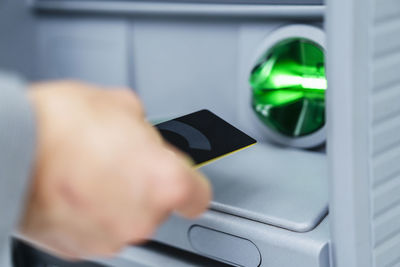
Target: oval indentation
x,y
223,246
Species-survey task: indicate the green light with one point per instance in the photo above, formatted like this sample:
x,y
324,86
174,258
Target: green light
x,y
289,87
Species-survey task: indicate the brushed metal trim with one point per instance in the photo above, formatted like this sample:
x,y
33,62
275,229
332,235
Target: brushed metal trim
x,y
188,9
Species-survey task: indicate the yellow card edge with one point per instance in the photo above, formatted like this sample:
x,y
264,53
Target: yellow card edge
x,y
219,157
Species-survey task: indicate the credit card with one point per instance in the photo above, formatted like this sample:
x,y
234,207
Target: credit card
x,y
204,136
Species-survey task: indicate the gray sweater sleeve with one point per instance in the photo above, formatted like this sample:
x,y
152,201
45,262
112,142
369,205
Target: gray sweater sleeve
x,y
17,144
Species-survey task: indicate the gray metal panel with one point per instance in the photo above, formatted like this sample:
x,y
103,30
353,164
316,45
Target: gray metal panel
x,y
90,50
184,65
384,133
17,30
363,69
248,2
154,254
282,187
151,8
208,56
348,65
278,247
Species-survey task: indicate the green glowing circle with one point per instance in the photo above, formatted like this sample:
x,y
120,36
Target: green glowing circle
x,y
288,88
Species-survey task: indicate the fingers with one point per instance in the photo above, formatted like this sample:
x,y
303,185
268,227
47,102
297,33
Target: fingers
x,y
189,192
198,196
125,180
199,186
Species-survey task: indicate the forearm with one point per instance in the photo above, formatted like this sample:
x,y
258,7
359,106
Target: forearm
x,y
17,145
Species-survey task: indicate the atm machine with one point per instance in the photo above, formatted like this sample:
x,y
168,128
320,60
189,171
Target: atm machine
x,y
323,140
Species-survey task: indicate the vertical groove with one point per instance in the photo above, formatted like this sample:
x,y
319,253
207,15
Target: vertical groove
x,y
385,126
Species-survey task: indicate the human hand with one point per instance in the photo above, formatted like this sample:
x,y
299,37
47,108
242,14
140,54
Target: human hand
x,y
103,176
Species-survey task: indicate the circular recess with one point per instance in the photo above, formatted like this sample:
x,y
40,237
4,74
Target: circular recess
x,y
288,85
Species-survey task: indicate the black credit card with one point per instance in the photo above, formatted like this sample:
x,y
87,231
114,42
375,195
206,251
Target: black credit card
x,y
204,136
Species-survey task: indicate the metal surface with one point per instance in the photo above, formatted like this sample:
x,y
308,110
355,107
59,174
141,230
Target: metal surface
x,y
226,247
151,8
247,2
282,187
364,123
278,247
196,56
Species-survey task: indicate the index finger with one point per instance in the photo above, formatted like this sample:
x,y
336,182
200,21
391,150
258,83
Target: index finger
x,y
198,196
